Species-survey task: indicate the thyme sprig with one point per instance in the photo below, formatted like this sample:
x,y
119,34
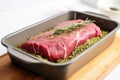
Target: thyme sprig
x,y
66,29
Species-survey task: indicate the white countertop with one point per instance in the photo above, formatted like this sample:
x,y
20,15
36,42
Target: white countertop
x,y
16,14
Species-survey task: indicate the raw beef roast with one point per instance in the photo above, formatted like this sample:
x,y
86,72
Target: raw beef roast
x,y
54,47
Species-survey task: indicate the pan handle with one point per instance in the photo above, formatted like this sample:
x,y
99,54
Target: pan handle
x,y
23,57
98,15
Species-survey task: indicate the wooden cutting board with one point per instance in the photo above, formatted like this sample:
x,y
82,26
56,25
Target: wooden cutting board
x,y
96,69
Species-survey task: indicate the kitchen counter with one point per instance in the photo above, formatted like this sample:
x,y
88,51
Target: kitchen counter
x,y
96,69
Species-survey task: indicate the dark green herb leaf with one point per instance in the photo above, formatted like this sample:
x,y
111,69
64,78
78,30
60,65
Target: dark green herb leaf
x,y
114,9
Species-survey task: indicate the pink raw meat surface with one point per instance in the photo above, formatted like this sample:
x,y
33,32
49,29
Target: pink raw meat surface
x,y
60,46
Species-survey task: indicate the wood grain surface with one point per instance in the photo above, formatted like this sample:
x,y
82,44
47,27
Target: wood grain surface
x,y
96,69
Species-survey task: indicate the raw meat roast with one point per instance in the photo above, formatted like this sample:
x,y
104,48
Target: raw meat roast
x,y
55,47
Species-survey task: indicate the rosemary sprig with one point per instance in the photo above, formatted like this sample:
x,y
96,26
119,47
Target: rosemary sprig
x,y
66,29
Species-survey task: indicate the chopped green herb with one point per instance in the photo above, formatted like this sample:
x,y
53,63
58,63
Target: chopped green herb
x,y
114,9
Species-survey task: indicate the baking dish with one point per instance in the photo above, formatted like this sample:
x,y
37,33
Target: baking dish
x,y
58,71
